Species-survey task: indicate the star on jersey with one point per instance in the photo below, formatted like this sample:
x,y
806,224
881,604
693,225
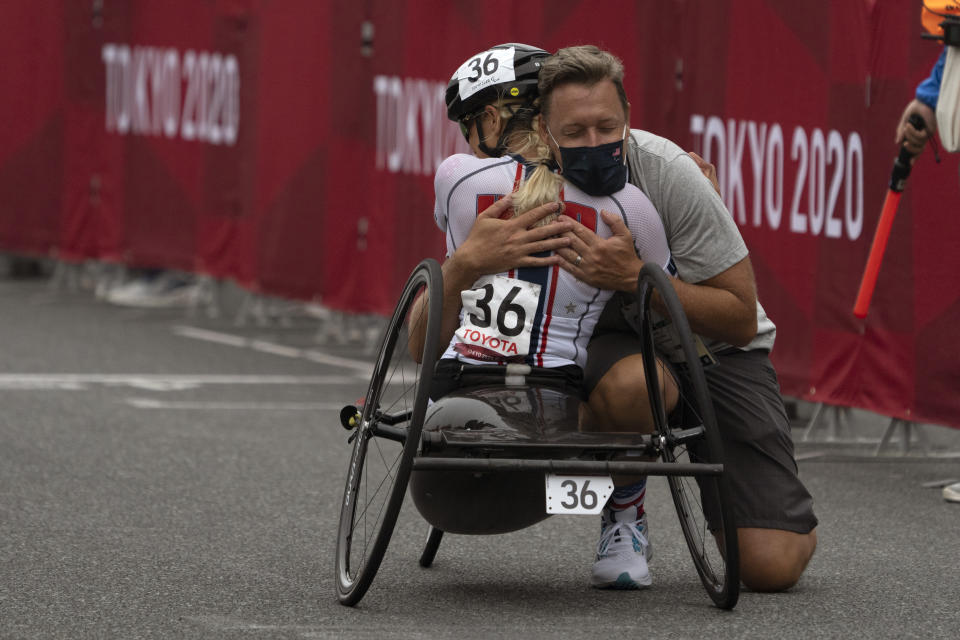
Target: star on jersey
x,y
570,308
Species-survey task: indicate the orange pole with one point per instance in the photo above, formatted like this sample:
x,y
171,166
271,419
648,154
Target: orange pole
x,y
898,180
869,280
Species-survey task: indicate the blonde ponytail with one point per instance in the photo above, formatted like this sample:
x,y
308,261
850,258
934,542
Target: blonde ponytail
x,y
543,185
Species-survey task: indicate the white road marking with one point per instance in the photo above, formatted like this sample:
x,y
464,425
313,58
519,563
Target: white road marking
x,y
325,358
158,382
151,403
210,336
264,346
276,349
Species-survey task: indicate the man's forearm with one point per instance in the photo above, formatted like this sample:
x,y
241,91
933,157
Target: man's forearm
x,y
717,313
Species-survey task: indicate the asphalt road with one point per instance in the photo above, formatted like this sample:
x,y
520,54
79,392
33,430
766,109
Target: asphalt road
x,y
163,476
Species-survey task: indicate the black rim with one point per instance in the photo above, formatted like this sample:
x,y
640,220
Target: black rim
x,y
719,570
380,466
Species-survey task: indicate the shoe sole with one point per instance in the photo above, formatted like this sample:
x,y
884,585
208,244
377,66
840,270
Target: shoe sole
x,y
623,583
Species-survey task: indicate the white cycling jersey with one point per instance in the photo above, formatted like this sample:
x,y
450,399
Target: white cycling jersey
x,y
539,316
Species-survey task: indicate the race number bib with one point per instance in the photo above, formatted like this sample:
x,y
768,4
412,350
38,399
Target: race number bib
x,y
498,316
489,68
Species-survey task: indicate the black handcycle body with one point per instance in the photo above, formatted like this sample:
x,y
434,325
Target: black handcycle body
x,y
479,460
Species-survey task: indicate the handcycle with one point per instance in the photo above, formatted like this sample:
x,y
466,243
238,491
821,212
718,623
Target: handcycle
x,y
506,453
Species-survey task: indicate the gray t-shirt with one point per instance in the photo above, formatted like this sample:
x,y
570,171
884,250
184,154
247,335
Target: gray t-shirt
x,y
702,235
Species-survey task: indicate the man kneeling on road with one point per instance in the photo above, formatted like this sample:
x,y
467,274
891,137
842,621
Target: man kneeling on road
x,y
772,508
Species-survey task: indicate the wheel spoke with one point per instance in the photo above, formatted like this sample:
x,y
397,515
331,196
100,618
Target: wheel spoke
x,y
405,390
389,475
374,496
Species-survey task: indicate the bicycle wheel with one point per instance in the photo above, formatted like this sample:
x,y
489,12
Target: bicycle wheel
x,y
702,502
387,438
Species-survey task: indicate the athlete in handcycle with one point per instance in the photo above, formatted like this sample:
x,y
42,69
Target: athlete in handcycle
x,y
476,459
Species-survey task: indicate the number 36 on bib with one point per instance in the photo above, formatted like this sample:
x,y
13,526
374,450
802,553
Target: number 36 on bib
x,y
498,316
488,69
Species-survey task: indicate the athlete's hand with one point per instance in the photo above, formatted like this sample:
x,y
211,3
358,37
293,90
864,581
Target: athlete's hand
x,y
907,135
495,245
606,263
708,170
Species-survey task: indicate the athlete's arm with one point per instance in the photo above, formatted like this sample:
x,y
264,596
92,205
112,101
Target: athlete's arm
x,y
492,246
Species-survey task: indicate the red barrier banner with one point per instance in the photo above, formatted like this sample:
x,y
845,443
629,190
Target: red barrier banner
x,y
291,146
804,157
31,127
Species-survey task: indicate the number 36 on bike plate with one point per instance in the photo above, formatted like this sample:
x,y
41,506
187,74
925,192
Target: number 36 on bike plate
x,y
577,494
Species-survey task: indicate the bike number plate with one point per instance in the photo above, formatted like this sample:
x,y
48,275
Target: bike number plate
x,y
577,494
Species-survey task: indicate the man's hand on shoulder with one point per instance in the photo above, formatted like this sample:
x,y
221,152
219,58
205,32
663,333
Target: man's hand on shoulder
x,y
709,171
606,263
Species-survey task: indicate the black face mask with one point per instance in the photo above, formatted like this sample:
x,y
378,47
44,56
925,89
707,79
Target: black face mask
x,y
598,171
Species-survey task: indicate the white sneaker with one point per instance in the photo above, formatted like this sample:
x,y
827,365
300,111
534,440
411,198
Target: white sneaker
x,y
630,515
131,291
164,291
622,553
645,530
951,492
